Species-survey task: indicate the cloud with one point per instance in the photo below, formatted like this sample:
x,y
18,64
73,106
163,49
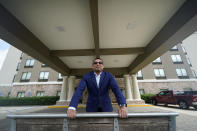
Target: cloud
x,y
3,54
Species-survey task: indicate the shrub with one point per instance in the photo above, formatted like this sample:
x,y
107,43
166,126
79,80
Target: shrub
x,y
147,97
44,100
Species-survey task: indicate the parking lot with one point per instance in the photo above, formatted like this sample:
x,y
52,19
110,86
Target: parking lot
x,y
185,121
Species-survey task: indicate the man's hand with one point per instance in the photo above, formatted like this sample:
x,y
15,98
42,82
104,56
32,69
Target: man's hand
x,y
71,114
123,113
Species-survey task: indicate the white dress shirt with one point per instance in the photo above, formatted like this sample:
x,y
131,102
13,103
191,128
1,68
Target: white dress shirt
x,y
97,78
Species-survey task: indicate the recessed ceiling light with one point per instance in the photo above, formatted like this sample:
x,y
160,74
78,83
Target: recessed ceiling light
x,y
60,28
131,25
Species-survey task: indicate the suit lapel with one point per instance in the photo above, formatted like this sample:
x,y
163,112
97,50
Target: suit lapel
x,y
94,80
101,79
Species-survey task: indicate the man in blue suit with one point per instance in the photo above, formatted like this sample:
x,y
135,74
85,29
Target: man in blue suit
x,y
98,83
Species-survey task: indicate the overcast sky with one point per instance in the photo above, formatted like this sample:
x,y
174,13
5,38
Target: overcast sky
x,y
3,51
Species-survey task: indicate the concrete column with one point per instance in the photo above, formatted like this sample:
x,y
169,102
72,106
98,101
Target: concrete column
x,y
63,94
128,90
71,89
136,92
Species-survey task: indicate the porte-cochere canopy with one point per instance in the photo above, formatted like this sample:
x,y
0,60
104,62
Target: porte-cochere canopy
x,y
67,34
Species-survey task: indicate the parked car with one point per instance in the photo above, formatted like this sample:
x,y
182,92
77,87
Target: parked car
x,y
184,99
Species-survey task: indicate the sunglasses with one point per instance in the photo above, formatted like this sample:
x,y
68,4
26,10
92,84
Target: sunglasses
x,y
98,63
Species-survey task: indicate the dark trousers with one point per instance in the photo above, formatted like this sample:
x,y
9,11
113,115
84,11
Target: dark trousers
x,y
100,109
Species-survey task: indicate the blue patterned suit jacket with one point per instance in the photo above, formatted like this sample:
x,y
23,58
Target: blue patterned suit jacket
x,y
98,96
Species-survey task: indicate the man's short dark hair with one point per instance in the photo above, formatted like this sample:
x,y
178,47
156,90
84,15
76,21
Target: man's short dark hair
x,y
96,59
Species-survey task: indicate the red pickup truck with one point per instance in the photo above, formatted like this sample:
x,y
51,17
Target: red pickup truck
x,y
184,99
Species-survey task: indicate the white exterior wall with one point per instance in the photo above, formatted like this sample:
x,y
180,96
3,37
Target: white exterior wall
x,y
190,45
9,66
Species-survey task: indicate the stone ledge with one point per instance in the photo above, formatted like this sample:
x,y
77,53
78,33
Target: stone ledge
x,y
136,122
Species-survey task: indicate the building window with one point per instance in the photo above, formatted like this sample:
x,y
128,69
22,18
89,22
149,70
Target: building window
x,y
58,93
9,94
176,59
29,63
44,76
18,66
174,48
60,78
181,73
21,94
142,91
157,61
159,73
139,75
22,54
14,79
194,73
43,65
40,93
28,93
184,51
188,61
26,76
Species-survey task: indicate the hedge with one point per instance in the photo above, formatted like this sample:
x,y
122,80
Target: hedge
x,y
147,97
44,100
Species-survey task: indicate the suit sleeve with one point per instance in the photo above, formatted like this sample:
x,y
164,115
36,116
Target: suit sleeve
x,y
116,90
78,93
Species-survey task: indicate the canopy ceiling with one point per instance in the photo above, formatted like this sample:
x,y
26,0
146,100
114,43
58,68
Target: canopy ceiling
x,y
67,34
